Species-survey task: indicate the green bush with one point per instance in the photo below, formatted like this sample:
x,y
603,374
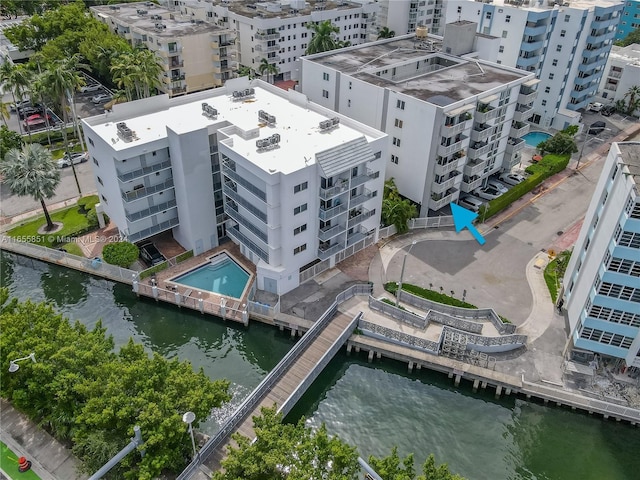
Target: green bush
x,y
88,202
122,254
184,256
155,269
392,287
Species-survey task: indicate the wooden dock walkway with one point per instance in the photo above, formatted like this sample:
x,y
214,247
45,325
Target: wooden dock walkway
x,y
289,382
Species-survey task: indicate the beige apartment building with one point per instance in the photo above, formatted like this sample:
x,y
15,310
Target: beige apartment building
x,y
195,55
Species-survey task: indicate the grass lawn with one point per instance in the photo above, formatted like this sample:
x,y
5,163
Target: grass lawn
x,y
551,279
9,463
73,249
70,217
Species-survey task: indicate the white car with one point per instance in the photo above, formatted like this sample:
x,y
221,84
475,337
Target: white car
x,y
91,88
488,193
501,187
73,159
595,107
471,203
101,98
511,178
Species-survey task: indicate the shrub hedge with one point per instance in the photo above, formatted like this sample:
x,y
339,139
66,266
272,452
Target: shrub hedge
x,y
122,254
392,287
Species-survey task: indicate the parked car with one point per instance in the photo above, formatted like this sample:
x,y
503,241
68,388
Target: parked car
x,y
101,98
25,112
90,88
596,127
19,105
150,254
595,107
471,203
488,193
608,110
36,121
73,159
501,187
511,178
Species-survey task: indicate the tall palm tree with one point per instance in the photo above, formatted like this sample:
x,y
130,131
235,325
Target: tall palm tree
x,y
633,99
323,38
122,74
384,32
149,71
14,79
31,171
271,69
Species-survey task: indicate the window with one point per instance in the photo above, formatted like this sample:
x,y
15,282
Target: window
x,y
551,75
396,141
300,209
300,229
299,249
501,49
398,123
507,19
90,141
400,104
554,62
558,48
567,18
543,103
100,181
348,102
394,159
504,34
301,187
563,33
95,161
547,89
325,93
488,15
325,76
104,199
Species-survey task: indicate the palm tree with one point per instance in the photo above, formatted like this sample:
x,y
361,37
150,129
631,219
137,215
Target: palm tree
x,y
633,99
14,79
270,69
246,72
122,75
31,171
4,112
322,39
148,70
384,32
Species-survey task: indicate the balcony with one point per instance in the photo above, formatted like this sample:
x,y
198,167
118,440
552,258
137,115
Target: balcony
x,y
327,233
599,24
141,172
178,90
161,207
220,55
171,79
241,238
614,74
481,132
231,209
519,129
527,61
591,65
471,184
449,130
263,36
326,252
477,149
164,53
354,237
584,80
225,43
147,232
359,216
228,190
446,184
531,46
485,113
240,180
437,201
443,167
522,113
332,192
364,178
515,145
594,52
267,48
445,151
332,212
526,96
146,191
533,30
474,168
219,67
360,199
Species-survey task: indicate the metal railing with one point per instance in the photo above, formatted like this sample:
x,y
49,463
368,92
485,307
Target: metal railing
x,y
254,399
395,336
397,313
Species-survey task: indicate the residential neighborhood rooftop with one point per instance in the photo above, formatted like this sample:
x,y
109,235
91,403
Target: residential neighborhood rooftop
x,y
273,9
630,152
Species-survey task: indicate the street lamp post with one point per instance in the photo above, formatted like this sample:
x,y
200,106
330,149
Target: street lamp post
x,y
188,418
13,364
404,263
584,142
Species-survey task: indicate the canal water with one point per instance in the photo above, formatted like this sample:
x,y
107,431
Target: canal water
x,y
374,406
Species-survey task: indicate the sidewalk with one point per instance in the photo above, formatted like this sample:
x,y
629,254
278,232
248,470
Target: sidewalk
x,y
49,458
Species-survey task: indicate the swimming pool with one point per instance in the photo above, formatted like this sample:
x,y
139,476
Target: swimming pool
x,y
532,139
221,275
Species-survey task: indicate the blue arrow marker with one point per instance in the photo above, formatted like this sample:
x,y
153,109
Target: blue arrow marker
x,y
464,218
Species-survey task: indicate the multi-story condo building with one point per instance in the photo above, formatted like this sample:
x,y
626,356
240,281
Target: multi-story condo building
x,y
629,20
565,46
195,55
405,16
295,185
602,281
452,121
621,73
277,31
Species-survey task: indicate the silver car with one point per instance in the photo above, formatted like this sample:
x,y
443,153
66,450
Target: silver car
x,y
73,159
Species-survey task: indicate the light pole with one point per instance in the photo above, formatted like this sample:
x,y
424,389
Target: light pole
x,y
13,365
188,418
404,262
584,142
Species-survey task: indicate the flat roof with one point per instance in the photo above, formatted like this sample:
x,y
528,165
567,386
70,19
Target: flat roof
x,y
465,78
175,24
275,9
298,126
546,5
630,152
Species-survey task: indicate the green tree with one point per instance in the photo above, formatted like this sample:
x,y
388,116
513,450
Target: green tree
x,y
560,144
271,69
633,37
8,140
15,80
395,209
384,32
122,254
137,73
244,71
323,37
633,100
31,172
285,451
393,467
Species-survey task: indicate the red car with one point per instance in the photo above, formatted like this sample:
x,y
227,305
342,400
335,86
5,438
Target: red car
x,y
37,121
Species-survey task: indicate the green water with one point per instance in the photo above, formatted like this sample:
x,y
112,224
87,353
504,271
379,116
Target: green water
x,y
374,406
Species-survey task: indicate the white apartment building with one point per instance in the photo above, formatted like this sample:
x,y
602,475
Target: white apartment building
x,y
621,73
565,46
295,185
276,30
452,121
404,16
195,55
602,281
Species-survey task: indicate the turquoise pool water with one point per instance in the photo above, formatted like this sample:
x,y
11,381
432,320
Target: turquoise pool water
x,y
223,276
534,138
